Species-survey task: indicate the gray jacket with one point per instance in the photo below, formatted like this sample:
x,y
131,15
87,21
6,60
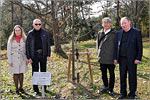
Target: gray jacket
x,y
106,46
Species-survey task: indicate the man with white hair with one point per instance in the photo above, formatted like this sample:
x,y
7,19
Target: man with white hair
x,y
128,53
38,49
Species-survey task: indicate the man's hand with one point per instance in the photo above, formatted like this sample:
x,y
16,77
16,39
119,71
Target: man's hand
x,y
30,61
48,58
115,62
10,64
137,61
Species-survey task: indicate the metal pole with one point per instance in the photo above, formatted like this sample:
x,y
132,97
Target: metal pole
x,y
77,55
43,92
73,67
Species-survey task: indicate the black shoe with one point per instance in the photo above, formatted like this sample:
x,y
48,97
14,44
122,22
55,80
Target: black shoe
x,y
131,97
104,90
21,90
111,93
122,97
17,92
36,94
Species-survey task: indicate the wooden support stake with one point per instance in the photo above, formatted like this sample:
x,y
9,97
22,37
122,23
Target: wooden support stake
x,y
88,59
69,65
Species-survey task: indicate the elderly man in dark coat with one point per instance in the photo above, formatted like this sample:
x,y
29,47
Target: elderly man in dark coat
x,y
38,50
128,53
105,47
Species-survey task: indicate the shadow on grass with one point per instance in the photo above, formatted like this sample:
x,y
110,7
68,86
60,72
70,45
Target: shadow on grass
x,y
90,93
144,75
63,54
145,57
27,96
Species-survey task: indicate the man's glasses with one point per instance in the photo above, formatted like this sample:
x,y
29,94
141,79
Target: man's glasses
x,y
38,24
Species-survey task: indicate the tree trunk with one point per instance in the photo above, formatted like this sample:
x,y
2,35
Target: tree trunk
x,y
21,14
135,16
12,15
56,32
118,17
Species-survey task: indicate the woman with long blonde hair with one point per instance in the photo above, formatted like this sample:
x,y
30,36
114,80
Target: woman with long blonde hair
x,y
16,56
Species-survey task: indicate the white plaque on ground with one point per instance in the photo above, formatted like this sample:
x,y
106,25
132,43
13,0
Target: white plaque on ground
x,y
41,78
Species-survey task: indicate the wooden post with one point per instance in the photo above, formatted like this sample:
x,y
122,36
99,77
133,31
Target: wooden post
x,y
69,65
88,59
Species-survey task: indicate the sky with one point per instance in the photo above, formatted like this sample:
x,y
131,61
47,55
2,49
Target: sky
x,y
1,2
96,9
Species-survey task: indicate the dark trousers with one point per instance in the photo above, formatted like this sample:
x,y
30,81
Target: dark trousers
x,y
42,60
131,68
111,68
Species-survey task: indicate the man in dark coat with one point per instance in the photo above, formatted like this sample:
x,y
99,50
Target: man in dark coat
x,y
128,53
38,49
105,47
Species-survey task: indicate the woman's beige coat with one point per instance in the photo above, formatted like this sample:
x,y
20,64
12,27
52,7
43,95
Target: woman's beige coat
x,y
16,56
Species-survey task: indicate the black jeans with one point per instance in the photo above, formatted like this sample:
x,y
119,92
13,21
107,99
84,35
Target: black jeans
x,y
111,68
42,60
127,67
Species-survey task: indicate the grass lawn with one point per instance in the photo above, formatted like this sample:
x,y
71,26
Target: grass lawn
x,y
60,88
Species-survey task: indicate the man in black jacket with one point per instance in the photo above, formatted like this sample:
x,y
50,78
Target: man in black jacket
x,y
105,45
128,53
38,49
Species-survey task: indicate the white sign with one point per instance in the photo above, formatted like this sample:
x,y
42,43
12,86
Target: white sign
x,y
41,78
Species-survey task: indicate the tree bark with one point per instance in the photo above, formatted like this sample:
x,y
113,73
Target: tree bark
x,y
21,14
12,15
136,10
118,17
56,32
